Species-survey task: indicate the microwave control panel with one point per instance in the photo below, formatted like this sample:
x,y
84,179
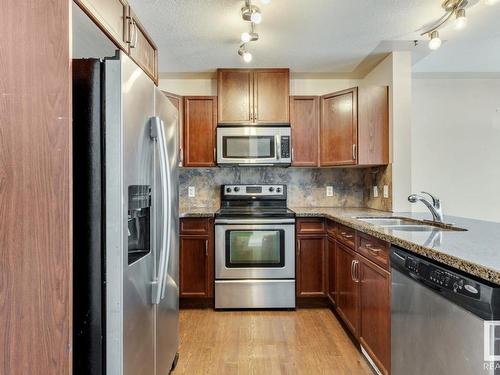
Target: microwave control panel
x,y
285,146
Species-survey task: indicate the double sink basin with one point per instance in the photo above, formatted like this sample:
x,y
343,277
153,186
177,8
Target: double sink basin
x,y
407,225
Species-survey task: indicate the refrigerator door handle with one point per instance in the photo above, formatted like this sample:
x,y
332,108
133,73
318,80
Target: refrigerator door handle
x,y
158,134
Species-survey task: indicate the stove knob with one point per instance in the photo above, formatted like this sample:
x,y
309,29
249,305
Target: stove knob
x,y
278,190
236,189
271,189
228,190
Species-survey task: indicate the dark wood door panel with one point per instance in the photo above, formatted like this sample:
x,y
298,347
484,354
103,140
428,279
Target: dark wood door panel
x,y
235,96
347,288
271,88
311,266
339,128
332,282
304,121
194,266
200,121
375,327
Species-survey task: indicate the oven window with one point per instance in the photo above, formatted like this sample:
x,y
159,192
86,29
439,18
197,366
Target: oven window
x,y
255,248
248,147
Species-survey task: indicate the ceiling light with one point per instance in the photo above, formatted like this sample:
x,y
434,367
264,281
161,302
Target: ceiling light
x,y
249,37
242,51
435,42
256,17
461,19
251,13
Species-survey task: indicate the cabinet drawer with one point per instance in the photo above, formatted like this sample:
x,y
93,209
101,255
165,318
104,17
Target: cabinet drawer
x,y
310,226
331,226
346,235
374,249
195,226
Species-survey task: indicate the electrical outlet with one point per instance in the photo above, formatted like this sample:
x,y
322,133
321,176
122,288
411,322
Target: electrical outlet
x,y
191,192
375,192
329,191
386,191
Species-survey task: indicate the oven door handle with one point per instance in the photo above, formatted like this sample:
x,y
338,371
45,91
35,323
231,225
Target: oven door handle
x,y
254,221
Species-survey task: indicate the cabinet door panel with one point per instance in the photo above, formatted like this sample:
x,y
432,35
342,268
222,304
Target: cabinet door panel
x,y
141,48
235,96
332,292
194,270
375,328
110,16
304,121
199,130
271,96
311,266
347,289
339,136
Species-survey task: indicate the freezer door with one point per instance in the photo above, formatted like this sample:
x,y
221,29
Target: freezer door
x,y
167,309
130,325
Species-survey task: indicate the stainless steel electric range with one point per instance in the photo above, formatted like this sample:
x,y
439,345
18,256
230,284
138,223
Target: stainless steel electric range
x,y
254,248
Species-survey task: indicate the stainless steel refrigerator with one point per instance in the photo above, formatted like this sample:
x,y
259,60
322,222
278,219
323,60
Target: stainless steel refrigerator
x,y
126,299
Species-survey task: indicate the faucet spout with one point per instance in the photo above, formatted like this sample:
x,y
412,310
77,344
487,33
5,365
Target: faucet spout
x,y
434,205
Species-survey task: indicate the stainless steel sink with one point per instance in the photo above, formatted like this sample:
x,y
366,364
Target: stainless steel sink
x,y
407,224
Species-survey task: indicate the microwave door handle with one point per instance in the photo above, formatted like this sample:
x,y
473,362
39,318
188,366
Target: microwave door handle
x,y
158,134
278,147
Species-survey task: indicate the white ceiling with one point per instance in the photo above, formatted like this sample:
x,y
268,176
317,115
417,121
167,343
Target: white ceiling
x,y
315,36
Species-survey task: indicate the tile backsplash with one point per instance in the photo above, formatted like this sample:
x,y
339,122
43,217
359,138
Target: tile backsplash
x,y
306,186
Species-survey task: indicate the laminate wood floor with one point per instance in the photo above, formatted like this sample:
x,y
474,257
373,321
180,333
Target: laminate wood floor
x,y
305,341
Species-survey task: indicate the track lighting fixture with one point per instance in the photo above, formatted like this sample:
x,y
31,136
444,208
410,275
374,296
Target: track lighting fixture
x,y
252,36
242,51
451,7
252,14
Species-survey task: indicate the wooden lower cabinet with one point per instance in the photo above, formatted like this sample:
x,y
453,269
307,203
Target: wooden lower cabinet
x,y
311,274
375,301
347,300
332,254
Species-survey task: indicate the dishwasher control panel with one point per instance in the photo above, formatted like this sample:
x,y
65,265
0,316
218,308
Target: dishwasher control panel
x,y
443,278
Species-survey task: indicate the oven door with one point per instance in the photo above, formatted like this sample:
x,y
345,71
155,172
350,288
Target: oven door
x,y
253,146
255,249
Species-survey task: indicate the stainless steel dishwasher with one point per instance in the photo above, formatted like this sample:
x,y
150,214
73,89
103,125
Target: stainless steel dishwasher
x,y
438,317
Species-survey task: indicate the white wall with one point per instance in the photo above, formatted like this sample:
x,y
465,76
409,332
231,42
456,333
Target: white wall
x,y
456,144
395,71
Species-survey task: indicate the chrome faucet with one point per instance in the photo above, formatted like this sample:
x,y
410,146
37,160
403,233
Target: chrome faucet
x,y
434,206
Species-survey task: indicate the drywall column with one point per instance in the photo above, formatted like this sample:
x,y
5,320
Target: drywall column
x,y
395,71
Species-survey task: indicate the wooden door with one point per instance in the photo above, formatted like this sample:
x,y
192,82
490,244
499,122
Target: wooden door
x,y
311,266
271,96
235,96
339,128
200,121
347,288
142,48
375,327
331,250
178,103
304,121
110,16
194,272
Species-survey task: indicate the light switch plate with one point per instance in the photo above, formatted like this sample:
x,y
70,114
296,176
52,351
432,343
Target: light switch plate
x,y
191,192
329,191
375,191
386,191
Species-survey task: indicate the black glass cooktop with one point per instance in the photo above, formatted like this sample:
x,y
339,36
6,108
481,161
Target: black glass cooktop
x,y
254,212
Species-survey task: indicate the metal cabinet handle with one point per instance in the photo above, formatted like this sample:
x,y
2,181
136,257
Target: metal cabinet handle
x,y
293,158
354,156
352,270
215,155
358,276
134,29
344,234
298,248
181,157
206,248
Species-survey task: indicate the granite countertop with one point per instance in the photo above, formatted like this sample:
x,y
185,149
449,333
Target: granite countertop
x,y
194,212
475,251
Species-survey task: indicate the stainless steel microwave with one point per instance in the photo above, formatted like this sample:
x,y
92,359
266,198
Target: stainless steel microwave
x,y
254,146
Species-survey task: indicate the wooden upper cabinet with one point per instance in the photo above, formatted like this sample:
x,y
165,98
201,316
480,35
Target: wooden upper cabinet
x,y
111,17
235,96
339,128
271,96
355,127
253,96
200,121
375,301
304,121
142,48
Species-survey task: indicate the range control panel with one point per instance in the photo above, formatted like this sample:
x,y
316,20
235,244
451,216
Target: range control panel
x,y
254,190
443,278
